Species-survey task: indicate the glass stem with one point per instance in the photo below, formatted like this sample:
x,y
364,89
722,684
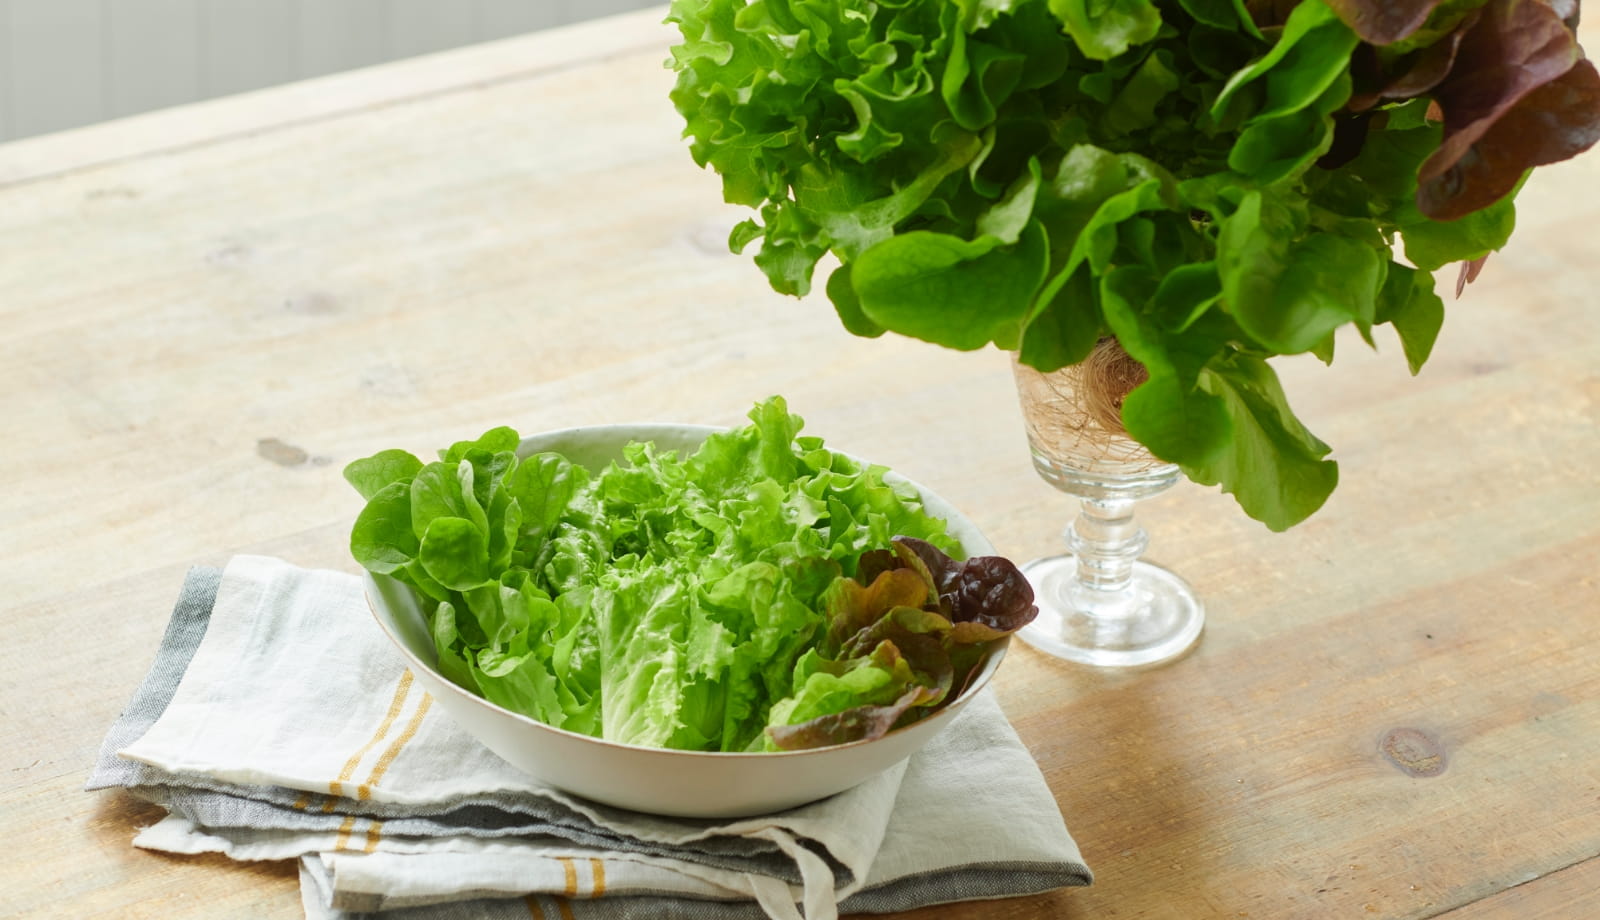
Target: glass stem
x,y
1107,542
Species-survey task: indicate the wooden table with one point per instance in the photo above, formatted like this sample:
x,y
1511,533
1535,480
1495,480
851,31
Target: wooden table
x,y
209,311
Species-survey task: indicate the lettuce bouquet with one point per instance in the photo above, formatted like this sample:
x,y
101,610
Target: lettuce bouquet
x,y
1211,182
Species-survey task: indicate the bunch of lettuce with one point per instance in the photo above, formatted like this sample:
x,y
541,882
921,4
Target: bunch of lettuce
x,y
1211,182
687,602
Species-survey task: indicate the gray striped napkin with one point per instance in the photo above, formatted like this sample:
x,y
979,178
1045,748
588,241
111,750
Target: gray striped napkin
x,y
278,723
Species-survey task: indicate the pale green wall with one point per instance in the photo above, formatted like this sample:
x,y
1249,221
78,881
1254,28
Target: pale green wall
x,y
65,63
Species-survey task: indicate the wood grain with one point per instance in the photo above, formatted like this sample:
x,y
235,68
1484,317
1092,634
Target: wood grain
x,y
205,314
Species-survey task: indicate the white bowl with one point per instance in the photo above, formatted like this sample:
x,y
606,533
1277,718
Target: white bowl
x,y
684,783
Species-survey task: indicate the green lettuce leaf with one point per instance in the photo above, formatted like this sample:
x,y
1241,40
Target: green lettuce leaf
x,y
1409,304
943,289
1310,54
1431,245
370,475
383,539
1289,294
1272,465
1107,28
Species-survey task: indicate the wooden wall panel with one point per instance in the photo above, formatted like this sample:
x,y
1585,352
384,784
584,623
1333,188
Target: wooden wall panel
x,y
68,63
498,18
420,26
152,55
340,36
5,49
245,45
54,62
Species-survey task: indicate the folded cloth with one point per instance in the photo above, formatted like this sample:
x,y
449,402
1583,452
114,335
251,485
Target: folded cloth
x,y
277,722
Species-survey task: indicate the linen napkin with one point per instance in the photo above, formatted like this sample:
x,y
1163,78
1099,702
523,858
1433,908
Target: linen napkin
x,y
278,722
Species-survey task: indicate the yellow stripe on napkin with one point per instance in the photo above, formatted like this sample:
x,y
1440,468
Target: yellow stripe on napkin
x,y
364,791
342,842
597,874
347,830
571,869
336,787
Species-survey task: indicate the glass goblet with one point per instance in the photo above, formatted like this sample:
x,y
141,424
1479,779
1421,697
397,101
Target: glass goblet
x,y
1100,603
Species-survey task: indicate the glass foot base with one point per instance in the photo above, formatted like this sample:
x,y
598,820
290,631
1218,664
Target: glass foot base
x,y
1157,618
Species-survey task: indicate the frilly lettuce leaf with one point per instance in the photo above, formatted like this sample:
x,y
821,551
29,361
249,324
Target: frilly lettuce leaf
x,y
1104,30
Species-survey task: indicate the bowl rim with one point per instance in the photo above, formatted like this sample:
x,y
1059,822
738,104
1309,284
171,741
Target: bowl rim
x,y
370,580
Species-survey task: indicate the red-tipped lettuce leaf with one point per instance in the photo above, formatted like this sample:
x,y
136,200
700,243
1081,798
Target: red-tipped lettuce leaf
x,y
1518,96
1555,122
851,699
1415,74
938,569
923,652
988,591
863,723
1469,273
852,607
874,562
1383,22
890,630
895,626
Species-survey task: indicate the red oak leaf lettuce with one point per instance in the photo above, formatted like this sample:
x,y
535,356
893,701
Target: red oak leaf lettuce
x,y
1517,96
905,636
